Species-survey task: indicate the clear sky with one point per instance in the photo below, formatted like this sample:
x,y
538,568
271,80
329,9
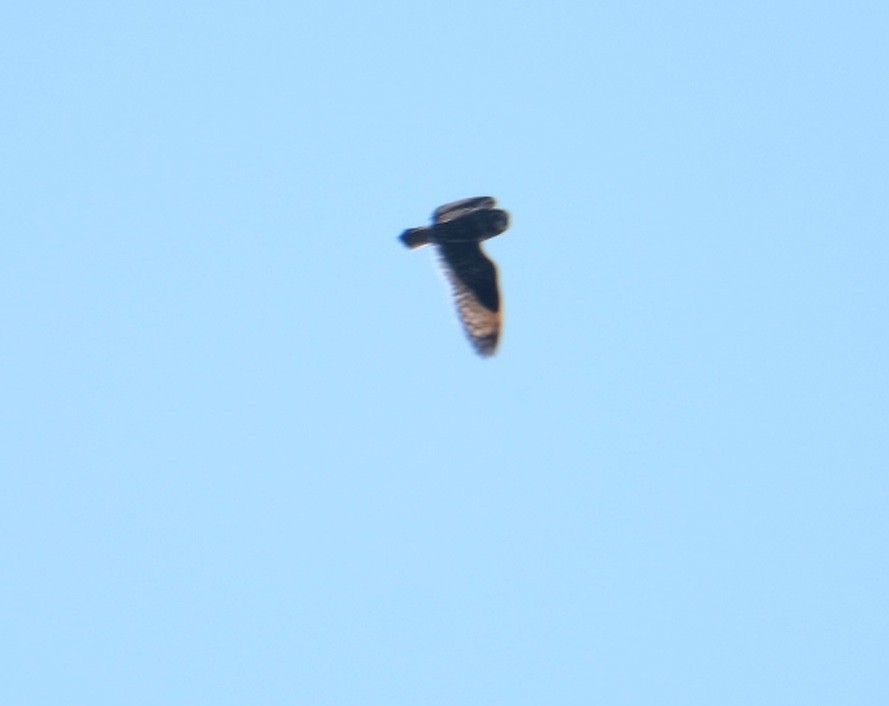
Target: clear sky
x,y
248,456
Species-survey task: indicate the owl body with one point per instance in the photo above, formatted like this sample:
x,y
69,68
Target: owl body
x,y
457,230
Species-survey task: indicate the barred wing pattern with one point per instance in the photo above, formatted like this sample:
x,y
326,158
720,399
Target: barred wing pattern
x,y
473,279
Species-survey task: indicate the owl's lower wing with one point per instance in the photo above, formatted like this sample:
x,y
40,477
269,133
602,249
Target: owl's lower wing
x,y
473,278
455,209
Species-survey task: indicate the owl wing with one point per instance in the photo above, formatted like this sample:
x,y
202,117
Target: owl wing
x,y
455,209
473,279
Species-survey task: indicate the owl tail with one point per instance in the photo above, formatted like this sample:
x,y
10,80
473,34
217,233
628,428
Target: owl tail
x,y
415,237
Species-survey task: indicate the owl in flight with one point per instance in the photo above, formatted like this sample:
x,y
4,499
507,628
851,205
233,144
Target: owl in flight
x,y
457,231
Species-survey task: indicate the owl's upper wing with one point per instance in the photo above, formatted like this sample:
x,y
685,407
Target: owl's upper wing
x,y
455,209
473,278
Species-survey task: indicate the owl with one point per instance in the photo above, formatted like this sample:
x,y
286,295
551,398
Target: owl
x,y
456,232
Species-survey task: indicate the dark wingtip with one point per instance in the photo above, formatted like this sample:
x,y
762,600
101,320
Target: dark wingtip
x,y
485,346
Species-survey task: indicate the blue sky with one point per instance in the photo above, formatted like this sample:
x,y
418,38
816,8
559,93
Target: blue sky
x,y
249,457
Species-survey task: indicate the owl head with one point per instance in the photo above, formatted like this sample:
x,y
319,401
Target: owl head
x,y
497,221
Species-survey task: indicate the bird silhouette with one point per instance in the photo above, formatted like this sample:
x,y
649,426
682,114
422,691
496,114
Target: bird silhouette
x,y
456,232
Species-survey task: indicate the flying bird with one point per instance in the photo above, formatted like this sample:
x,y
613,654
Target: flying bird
x,y
456,232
